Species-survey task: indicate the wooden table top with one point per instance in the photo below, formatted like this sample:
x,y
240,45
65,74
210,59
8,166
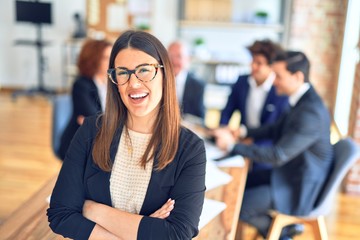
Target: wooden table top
x,y
224,225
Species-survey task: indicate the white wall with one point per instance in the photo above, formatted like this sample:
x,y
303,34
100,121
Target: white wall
x,y
19,64
349,58
165,20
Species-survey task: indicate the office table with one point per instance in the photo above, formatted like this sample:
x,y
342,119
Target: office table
x,y
29,221
224,225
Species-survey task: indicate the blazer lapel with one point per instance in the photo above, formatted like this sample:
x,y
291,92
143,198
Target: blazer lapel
x,y
98,183
242,100
98,186
268,106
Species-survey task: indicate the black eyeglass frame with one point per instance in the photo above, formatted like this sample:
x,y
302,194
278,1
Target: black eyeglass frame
x,y
110,72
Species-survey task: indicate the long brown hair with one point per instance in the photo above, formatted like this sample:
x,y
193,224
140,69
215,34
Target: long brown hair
x,y
166,130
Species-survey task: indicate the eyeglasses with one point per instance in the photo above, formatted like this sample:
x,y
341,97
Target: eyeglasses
x,y
143,72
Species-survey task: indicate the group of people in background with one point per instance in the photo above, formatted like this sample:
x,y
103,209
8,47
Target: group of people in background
x,y
132,171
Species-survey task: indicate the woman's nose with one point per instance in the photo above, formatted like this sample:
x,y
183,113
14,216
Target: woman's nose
x,y
134,81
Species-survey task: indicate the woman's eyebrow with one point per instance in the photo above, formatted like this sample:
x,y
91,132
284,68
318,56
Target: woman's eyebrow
x,y
143,64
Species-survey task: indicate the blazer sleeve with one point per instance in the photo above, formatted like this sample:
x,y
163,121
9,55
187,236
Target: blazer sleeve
x,y
188,192
233,100
85,98
67,199
300,132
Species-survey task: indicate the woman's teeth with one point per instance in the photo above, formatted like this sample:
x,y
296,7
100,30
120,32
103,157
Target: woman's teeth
x,y
137,96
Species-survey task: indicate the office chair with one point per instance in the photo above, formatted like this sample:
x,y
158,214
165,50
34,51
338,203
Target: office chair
x,y
346,153
62,110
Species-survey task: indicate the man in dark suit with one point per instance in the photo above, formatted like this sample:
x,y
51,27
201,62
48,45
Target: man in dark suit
x,y
189,89
255,97
301,154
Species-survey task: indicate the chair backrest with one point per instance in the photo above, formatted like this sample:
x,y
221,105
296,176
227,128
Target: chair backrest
x,y
346,153
62,110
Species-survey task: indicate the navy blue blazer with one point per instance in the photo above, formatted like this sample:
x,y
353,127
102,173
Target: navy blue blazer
x,y
80,179
274,105
86,102
193,98
301,155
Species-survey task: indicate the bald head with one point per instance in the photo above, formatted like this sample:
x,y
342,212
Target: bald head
x,y
179,56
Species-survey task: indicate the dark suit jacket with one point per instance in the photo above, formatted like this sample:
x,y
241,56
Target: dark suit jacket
x,y
302,154
193,98
182,180
273,107
86,102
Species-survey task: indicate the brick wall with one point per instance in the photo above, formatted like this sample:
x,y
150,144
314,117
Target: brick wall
x,y
317,28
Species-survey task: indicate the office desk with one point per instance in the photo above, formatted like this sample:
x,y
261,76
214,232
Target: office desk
x,y
223,226
29,221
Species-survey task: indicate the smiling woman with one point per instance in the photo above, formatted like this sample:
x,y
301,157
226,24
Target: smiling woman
x,y
134,168
141,98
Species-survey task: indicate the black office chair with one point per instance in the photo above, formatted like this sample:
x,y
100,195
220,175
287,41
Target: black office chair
x,y
62,110
346,153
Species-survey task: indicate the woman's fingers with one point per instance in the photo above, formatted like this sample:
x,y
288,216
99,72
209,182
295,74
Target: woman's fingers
x,y
165,210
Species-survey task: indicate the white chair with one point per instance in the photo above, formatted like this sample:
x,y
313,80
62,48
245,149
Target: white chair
x,y
62,110
346,153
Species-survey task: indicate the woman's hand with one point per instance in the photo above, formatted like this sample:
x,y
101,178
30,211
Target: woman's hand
x,y
80,119
165,210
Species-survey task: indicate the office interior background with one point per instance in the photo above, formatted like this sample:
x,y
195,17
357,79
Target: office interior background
x,y
218,32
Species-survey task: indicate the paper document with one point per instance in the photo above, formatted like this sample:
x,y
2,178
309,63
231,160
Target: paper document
x,y
214,176
212,151
233,161
210,210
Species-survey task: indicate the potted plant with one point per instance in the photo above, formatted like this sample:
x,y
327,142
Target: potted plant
x,y
261,17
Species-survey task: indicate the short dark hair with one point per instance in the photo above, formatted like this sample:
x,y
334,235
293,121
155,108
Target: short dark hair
x,y
266,48
295,61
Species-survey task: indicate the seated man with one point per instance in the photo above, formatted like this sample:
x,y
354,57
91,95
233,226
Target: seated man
x,y
255,97
301,154
189,89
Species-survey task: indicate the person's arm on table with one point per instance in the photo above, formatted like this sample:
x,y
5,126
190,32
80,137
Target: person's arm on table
x,y
287,146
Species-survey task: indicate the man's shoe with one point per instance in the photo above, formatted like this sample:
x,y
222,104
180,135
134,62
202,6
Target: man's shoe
x,y
292,230
285,238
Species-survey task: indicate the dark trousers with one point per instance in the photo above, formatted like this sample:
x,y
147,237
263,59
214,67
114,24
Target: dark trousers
x,y
257,201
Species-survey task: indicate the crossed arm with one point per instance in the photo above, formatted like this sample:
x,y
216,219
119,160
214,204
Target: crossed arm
x,y
108,220
72,215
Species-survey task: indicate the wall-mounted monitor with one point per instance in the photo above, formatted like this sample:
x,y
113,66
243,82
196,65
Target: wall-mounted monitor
x,y
33,12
